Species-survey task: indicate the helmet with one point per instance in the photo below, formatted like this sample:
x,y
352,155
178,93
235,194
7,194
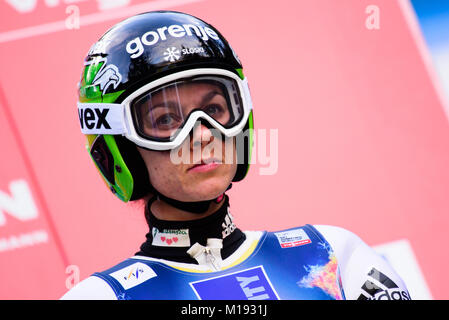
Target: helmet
x,y
135,60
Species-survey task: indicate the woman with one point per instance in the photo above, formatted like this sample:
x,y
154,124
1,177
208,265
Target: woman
x,y
168,118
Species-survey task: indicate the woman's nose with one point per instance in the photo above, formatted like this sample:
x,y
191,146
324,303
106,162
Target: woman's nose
x,y
202,135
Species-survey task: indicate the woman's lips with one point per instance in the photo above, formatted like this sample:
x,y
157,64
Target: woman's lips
x,y
205,166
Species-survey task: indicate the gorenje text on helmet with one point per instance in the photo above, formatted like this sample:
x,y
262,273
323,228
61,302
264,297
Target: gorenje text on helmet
x,y
135,47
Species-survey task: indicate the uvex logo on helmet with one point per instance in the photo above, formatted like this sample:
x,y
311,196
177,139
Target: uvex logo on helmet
x,y
135,47
93,118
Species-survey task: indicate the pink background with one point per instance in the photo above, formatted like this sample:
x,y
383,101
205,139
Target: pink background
x,y
363,138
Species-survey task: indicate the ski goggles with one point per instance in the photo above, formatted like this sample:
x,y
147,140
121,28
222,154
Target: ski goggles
x,y
161,114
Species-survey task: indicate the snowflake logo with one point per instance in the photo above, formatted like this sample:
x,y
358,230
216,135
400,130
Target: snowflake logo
x,y
172,54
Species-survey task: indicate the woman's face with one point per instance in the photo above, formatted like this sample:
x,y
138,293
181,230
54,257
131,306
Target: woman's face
x,y
206,169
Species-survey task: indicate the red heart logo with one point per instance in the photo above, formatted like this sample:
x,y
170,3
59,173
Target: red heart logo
x,y
175,239
169,241
163,239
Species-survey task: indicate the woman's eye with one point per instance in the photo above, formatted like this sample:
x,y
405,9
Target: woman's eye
x,y
166,120
213,109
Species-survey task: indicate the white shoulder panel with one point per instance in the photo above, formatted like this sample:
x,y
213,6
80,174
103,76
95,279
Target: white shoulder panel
x,y
364,273
92,288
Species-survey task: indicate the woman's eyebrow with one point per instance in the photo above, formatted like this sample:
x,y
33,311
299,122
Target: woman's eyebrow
x,y
172,104
166,104
208,96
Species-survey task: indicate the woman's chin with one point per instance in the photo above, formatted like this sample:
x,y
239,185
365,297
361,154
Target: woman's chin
x,y
208,185
206,190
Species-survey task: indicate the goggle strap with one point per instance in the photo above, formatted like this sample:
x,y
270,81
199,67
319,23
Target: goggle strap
x,y
102,118
247,94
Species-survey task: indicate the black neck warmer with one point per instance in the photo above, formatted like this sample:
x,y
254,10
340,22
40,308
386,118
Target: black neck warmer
x,y
170,240
193,207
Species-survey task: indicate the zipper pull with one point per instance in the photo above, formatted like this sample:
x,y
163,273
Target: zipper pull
x,y
209,255
211,259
